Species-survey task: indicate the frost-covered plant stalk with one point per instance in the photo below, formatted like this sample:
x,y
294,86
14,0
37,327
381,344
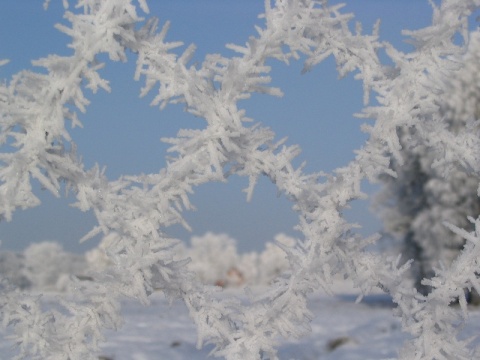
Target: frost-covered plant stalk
x,y
133,211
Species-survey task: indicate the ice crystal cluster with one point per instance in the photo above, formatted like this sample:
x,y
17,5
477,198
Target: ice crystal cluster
x,y
36,110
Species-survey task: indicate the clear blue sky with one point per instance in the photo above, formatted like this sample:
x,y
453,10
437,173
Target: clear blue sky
x,y
122,132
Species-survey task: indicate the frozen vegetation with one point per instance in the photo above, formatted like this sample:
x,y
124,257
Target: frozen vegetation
x,y
298,301
341,328
214,260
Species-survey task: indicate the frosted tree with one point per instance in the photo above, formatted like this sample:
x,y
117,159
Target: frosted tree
x,y
12,266
134,211
415,204
46,263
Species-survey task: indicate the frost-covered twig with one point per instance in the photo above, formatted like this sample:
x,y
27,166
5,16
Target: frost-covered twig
x,y
133,212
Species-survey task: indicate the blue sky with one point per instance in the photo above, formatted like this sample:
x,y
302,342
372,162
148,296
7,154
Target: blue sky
x,y
122,132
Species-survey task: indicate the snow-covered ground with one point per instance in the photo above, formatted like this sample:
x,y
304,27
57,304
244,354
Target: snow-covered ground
x,y
341,330
365,331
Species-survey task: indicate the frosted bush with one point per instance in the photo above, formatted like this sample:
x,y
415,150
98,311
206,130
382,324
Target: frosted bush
x,y
46,263
12,269
215,260
212,257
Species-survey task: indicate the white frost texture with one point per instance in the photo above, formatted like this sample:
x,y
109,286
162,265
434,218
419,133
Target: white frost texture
x,y
133,212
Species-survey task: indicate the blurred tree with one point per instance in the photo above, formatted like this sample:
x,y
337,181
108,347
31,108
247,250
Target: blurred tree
x,y
415,205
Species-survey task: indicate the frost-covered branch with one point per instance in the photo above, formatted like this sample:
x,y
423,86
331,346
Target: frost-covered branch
x,y
38,105
133,212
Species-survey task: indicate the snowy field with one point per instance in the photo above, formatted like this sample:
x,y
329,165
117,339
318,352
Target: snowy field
x,y
341,330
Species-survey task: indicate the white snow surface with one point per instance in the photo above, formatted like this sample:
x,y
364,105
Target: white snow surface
x,y
341,330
